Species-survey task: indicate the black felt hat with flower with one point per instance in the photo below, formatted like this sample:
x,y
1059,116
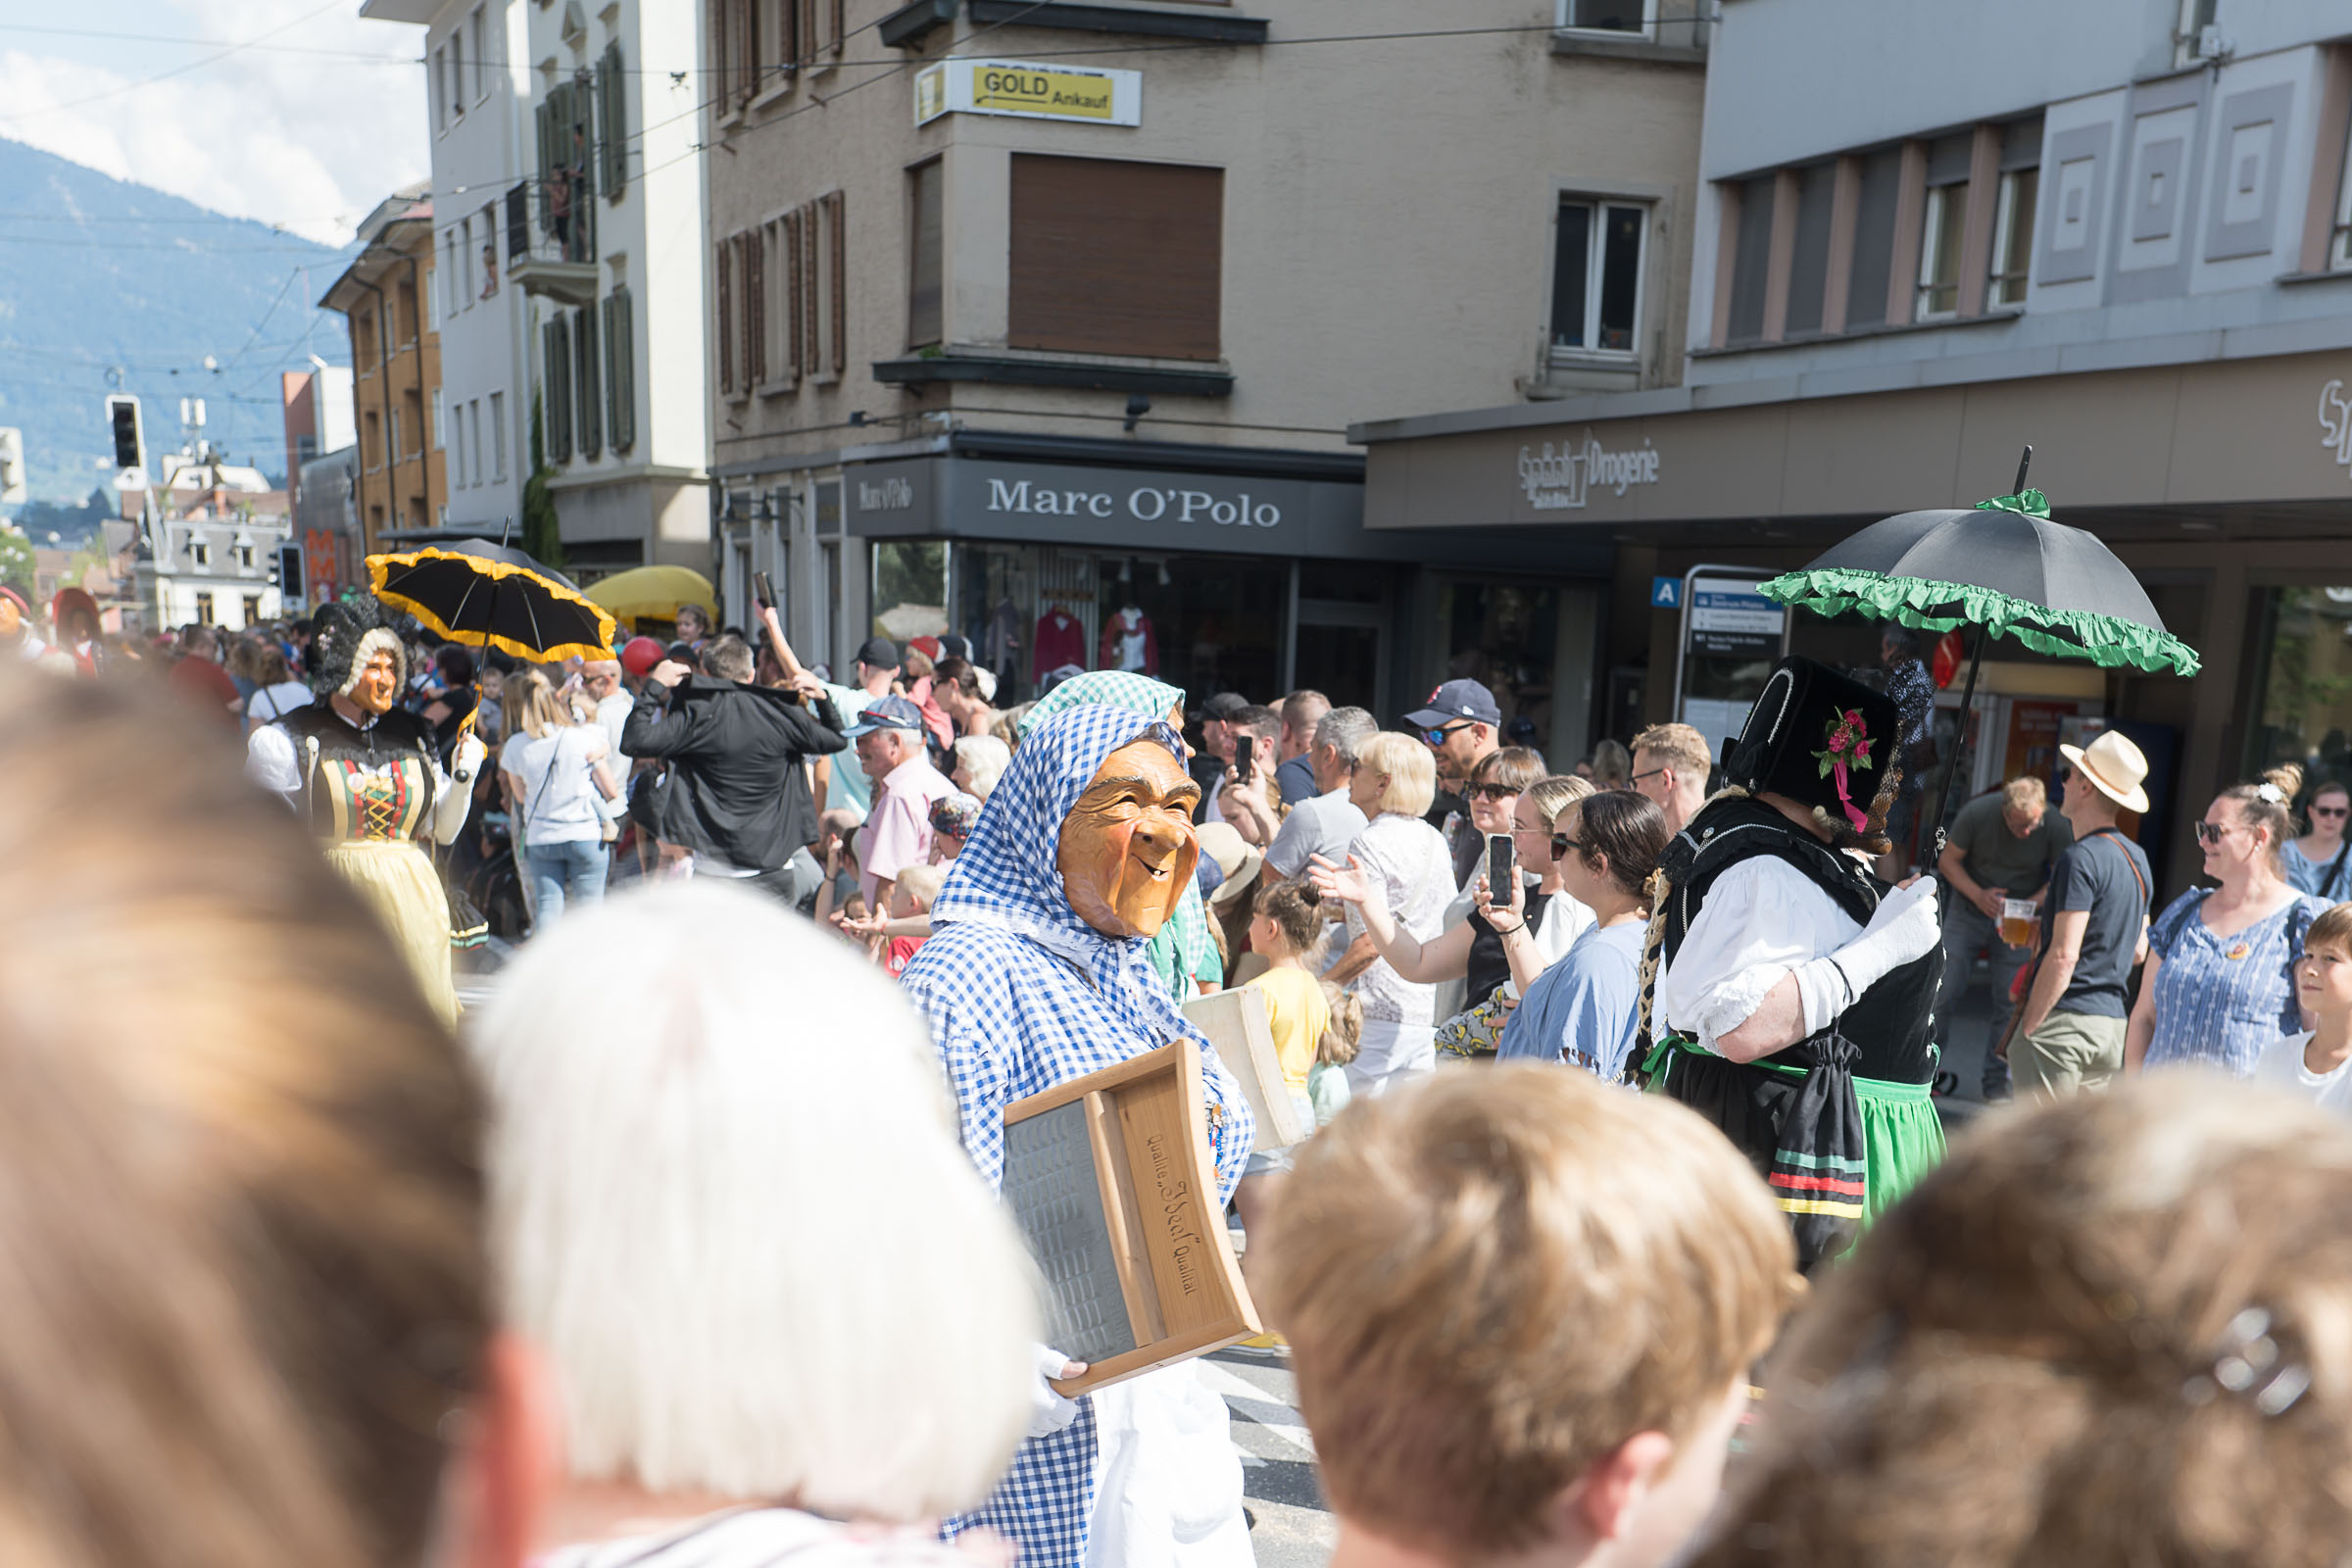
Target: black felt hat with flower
x,y
1824,741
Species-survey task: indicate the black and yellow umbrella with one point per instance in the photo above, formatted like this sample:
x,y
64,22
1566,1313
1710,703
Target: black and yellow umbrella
x,y
485,602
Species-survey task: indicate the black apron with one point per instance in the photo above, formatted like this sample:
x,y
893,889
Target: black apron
x,y
1800,1125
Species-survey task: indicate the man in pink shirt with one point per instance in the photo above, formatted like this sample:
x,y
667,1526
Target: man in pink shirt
x,y
889,736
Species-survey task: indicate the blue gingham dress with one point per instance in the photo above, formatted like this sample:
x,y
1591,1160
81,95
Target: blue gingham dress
x,y
1022,994
2220,1000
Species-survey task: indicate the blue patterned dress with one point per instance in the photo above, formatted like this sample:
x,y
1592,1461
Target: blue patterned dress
x,y
2220,1000
1022,994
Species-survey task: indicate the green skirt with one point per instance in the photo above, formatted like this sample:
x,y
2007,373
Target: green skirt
x,y
1902,1136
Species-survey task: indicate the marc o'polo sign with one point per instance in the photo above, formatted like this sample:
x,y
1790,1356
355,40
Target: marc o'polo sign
x,y
1028,90
1067,504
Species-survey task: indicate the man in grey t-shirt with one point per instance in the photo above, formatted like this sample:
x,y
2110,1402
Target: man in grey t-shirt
x,y
2069,1033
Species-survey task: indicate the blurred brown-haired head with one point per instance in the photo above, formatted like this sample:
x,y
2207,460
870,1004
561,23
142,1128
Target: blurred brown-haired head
x,y
2114,1330
240,1206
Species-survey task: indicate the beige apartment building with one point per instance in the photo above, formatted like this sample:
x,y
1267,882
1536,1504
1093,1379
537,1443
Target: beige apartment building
x,y
1044,323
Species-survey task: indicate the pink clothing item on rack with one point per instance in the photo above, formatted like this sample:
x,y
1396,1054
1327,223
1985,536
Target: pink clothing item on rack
x,y
1060,640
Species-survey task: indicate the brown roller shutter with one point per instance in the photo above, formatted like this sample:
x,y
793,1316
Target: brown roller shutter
x,y
1116,257
837,283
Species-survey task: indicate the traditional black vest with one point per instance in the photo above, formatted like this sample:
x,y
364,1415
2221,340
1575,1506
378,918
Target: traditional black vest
x,y
395,737
1892,1022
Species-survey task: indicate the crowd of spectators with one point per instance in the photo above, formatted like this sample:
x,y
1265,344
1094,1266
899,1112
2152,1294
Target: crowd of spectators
x,y
311,1281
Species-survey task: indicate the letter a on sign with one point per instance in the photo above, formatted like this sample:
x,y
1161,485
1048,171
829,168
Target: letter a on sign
x,y
1665,593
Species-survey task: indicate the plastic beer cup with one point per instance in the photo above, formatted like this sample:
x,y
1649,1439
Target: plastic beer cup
x,y
2018,919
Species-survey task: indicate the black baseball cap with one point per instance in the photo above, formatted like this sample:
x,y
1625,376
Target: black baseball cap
x,y
879,652
1225,705
1454,701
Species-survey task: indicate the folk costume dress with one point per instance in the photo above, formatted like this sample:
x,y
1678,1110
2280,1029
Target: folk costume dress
x,y
1022,994
368,791
1840,1123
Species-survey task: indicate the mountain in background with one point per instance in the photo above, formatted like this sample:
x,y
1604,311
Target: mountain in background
x,y
108,287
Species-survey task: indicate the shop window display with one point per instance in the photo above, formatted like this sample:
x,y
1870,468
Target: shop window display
x,y
2304,675
1205,623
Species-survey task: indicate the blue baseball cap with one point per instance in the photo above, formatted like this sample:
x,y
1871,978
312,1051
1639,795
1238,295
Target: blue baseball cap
x,y
886,712
1453,703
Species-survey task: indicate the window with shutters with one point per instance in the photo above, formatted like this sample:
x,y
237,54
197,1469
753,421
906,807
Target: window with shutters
x,y
566,134
837,284
927,312
1111,256
591,399
620,369
518,222
612,124
785,269
555,388
724,334
754,244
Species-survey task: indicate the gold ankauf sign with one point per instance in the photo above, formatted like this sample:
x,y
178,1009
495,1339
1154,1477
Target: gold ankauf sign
x,y
1030,91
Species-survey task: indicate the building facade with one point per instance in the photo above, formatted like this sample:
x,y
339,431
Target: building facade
x,y
396,370
568,194
2129,246
477,55
216,539
604,244
1044,323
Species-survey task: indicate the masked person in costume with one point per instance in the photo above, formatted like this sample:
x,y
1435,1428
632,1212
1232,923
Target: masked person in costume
x,y
361,771
1793,990
1036,974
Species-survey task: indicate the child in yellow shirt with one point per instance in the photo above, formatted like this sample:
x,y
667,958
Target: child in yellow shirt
x,y
1284,928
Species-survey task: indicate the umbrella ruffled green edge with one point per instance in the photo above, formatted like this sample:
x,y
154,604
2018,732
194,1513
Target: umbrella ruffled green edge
x,y
1939,606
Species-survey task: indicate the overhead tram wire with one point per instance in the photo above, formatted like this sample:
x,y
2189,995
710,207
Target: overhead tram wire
x,y
176,71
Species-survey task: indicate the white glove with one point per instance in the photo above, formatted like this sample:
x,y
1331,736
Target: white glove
x,y
1048,1411
467,761
1904,927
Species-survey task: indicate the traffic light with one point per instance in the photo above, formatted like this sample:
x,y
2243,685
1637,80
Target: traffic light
x,y
123,416
12,466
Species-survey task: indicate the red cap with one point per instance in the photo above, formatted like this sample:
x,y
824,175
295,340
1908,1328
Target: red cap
x,y
641,654
929,647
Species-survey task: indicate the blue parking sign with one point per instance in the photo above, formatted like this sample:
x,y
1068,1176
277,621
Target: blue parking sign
x,y
1665,593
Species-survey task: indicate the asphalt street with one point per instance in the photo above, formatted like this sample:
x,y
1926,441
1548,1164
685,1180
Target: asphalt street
x,y
1290,1526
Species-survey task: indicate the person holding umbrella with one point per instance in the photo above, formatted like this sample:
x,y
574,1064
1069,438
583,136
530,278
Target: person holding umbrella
x,y
362,773
1792,992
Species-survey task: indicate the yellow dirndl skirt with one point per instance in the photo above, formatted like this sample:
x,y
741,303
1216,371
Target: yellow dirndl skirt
x,y
398,881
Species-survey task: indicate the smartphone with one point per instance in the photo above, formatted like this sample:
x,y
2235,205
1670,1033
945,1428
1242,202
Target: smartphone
x,y
1500,866
1245,758
763,591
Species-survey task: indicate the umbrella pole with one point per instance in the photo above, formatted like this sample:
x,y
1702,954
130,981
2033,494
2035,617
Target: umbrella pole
x,y
1946,799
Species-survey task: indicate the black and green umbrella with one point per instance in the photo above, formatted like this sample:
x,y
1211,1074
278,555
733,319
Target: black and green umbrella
x,y
488,602
2002,568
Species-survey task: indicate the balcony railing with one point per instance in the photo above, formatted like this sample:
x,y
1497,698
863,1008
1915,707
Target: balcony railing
x,y
551,236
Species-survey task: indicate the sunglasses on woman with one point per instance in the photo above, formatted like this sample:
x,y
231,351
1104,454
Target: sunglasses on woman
x,y
2329,810
1561,843
1494,792
2211,833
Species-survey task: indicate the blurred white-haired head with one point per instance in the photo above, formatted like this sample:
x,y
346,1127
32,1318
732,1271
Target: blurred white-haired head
x,y
729,1206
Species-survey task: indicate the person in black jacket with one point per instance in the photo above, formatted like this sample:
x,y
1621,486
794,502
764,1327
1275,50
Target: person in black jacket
x,y
738,798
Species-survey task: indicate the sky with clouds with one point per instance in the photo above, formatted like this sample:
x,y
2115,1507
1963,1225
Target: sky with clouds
x,y
313,123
